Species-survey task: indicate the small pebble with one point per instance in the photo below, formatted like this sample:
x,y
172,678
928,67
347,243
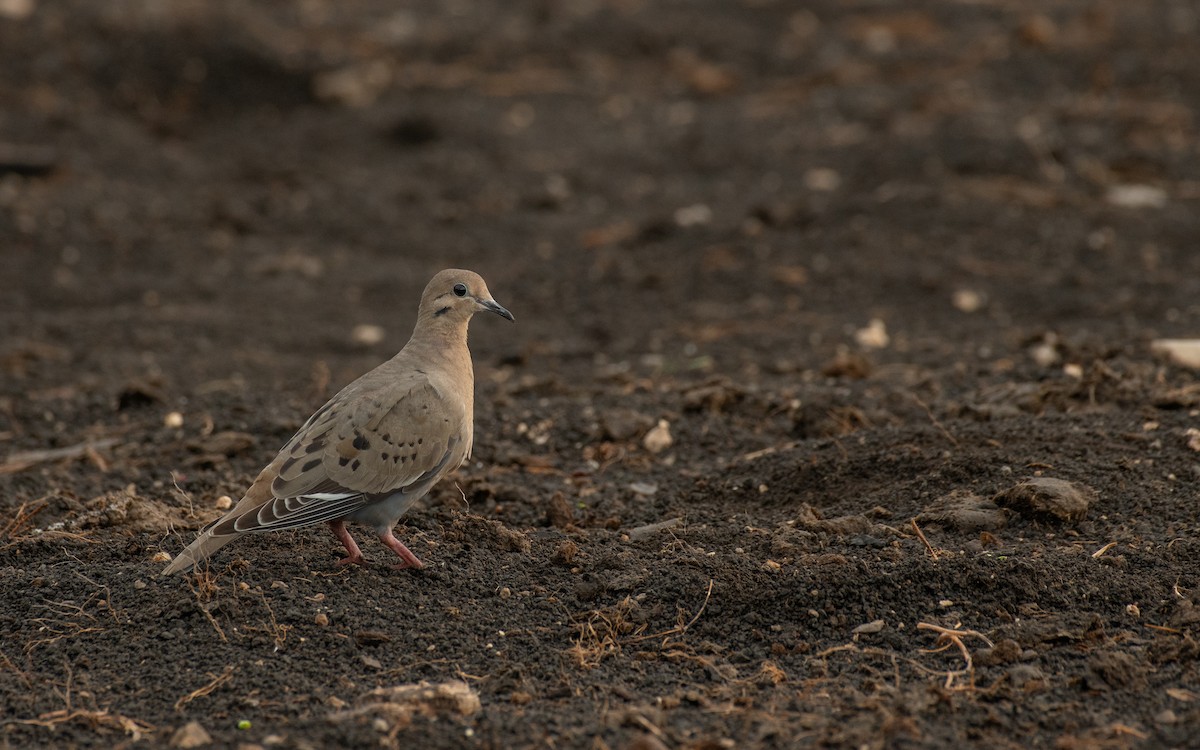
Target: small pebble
x,y
658,439
367,335
321,619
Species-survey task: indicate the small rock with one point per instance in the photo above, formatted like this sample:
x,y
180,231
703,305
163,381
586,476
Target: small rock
x,y
1039,31
1047,498
874,336
139,584
367,335
354,85
558,512
967,300
321,619
822,180
160,557
1193,438
1166,716
624,424
1137,196
1044,353
1184,352
645,489
16,9
191,735
370,661
174,420
694,215
224,502
658,439
869,628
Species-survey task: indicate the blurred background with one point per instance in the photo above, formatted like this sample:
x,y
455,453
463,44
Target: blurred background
x,y
198,190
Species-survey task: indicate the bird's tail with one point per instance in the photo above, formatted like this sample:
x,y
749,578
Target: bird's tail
x,y
198,551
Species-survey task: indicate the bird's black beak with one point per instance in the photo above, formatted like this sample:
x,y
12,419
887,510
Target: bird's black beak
x,y
493,306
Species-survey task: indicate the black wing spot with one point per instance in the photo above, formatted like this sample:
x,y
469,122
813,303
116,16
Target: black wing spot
x,y
361,442
420,440
384,456
314,463
343,461
354,466
387,437
313,447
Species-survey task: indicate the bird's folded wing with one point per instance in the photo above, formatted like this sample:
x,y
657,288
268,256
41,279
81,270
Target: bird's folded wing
x,y
368,445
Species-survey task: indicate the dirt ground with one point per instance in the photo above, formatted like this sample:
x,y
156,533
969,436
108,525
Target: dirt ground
x,y
831,416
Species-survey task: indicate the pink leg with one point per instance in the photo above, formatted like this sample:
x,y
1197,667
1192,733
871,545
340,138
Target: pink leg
x,y
397,546
353,553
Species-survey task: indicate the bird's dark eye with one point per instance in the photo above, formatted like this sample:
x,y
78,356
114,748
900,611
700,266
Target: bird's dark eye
x,y
460,290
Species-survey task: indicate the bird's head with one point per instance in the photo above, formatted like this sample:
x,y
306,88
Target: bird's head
x,y
454,295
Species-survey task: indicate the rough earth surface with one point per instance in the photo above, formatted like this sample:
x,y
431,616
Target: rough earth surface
x,y
831,417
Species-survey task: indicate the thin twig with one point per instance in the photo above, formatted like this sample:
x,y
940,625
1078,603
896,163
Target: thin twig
x,y
929,413
678,630
17,462
953,637
14,529
200,692
1103,549
921,535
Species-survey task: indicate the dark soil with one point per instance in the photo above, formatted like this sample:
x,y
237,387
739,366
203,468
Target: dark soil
x,y
696,211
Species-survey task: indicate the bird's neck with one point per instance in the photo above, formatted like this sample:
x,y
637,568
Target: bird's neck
x,y
446,337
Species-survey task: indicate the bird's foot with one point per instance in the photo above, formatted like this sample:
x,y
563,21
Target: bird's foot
x,y
408,559
353,556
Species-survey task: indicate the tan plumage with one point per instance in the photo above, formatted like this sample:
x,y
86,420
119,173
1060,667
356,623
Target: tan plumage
x,y
378,445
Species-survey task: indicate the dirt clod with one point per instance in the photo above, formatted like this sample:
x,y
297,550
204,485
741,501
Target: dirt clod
x,y
489,533
191,735
965,511
1045,498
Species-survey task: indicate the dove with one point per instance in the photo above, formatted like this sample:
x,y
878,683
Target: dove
x,y
380,444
